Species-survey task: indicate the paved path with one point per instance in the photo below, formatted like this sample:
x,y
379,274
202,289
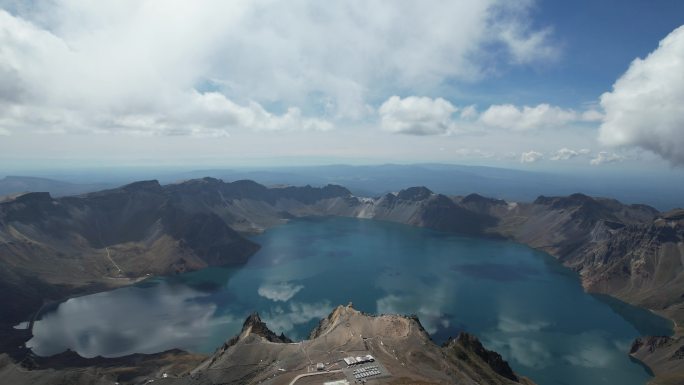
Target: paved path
x,y
313,374
113,263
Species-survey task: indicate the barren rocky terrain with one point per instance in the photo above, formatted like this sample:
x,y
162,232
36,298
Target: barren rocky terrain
x,y
398,343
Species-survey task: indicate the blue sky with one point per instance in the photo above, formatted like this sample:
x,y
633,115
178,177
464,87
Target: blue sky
x,y
598,40
554,85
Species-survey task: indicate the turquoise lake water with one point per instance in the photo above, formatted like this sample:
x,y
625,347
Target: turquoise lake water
x,y
518,301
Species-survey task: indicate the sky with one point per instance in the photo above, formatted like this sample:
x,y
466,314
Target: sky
x,y
553,85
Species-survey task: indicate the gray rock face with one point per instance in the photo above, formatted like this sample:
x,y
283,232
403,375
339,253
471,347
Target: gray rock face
x,y
492,358
664,355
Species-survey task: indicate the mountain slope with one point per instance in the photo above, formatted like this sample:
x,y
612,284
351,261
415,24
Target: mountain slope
x,y
398,343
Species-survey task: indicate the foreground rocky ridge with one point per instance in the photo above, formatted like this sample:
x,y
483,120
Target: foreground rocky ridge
x,y
399,343
53,248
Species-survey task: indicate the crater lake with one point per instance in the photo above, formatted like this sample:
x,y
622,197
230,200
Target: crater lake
x,y
520,302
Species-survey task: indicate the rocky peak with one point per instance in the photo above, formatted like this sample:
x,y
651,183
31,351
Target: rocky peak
x,y
332,318
33,197
247,185
574,200
309,194
145,185
415,193
334,190
650,343
29,207
471,343
481,200
210,180
674,215
253,325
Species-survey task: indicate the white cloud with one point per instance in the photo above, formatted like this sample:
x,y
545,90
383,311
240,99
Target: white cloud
x,y
527,118
526,46
592,116
426,116
644,109
282,291
417,115
159,66
469,112
523,44
472,153
567,154
605,157
531,156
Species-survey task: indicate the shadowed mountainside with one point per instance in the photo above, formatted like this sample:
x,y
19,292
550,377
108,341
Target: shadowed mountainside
x,y
55,247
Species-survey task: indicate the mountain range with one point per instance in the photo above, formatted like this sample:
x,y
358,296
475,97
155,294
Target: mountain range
x,y
662,190
53,248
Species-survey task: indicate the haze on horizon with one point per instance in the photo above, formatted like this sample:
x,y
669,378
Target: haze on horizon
x,y
540,85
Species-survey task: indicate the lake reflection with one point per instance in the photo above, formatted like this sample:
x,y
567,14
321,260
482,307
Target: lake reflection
x,y
144,320
518,301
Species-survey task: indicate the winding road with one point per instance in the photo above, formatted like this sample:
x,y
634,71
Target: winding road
x,y
313,374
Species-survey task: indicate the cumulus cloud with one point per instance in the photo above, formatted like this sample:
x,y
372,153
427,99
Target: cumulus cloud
x,y
605,157
525,46
206,68
531,156
469,112
644,109
282,291
527,118
592,116
567,154
56,85
426,116
417,115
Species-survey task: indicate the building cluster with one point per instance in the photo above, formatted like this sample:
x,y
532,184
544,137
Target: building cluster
x,y
368,371
359,360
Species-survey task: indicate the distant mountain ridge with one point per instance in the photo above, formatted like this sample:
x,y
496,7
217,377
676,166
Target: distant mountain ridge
x,y
10,185
661,190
